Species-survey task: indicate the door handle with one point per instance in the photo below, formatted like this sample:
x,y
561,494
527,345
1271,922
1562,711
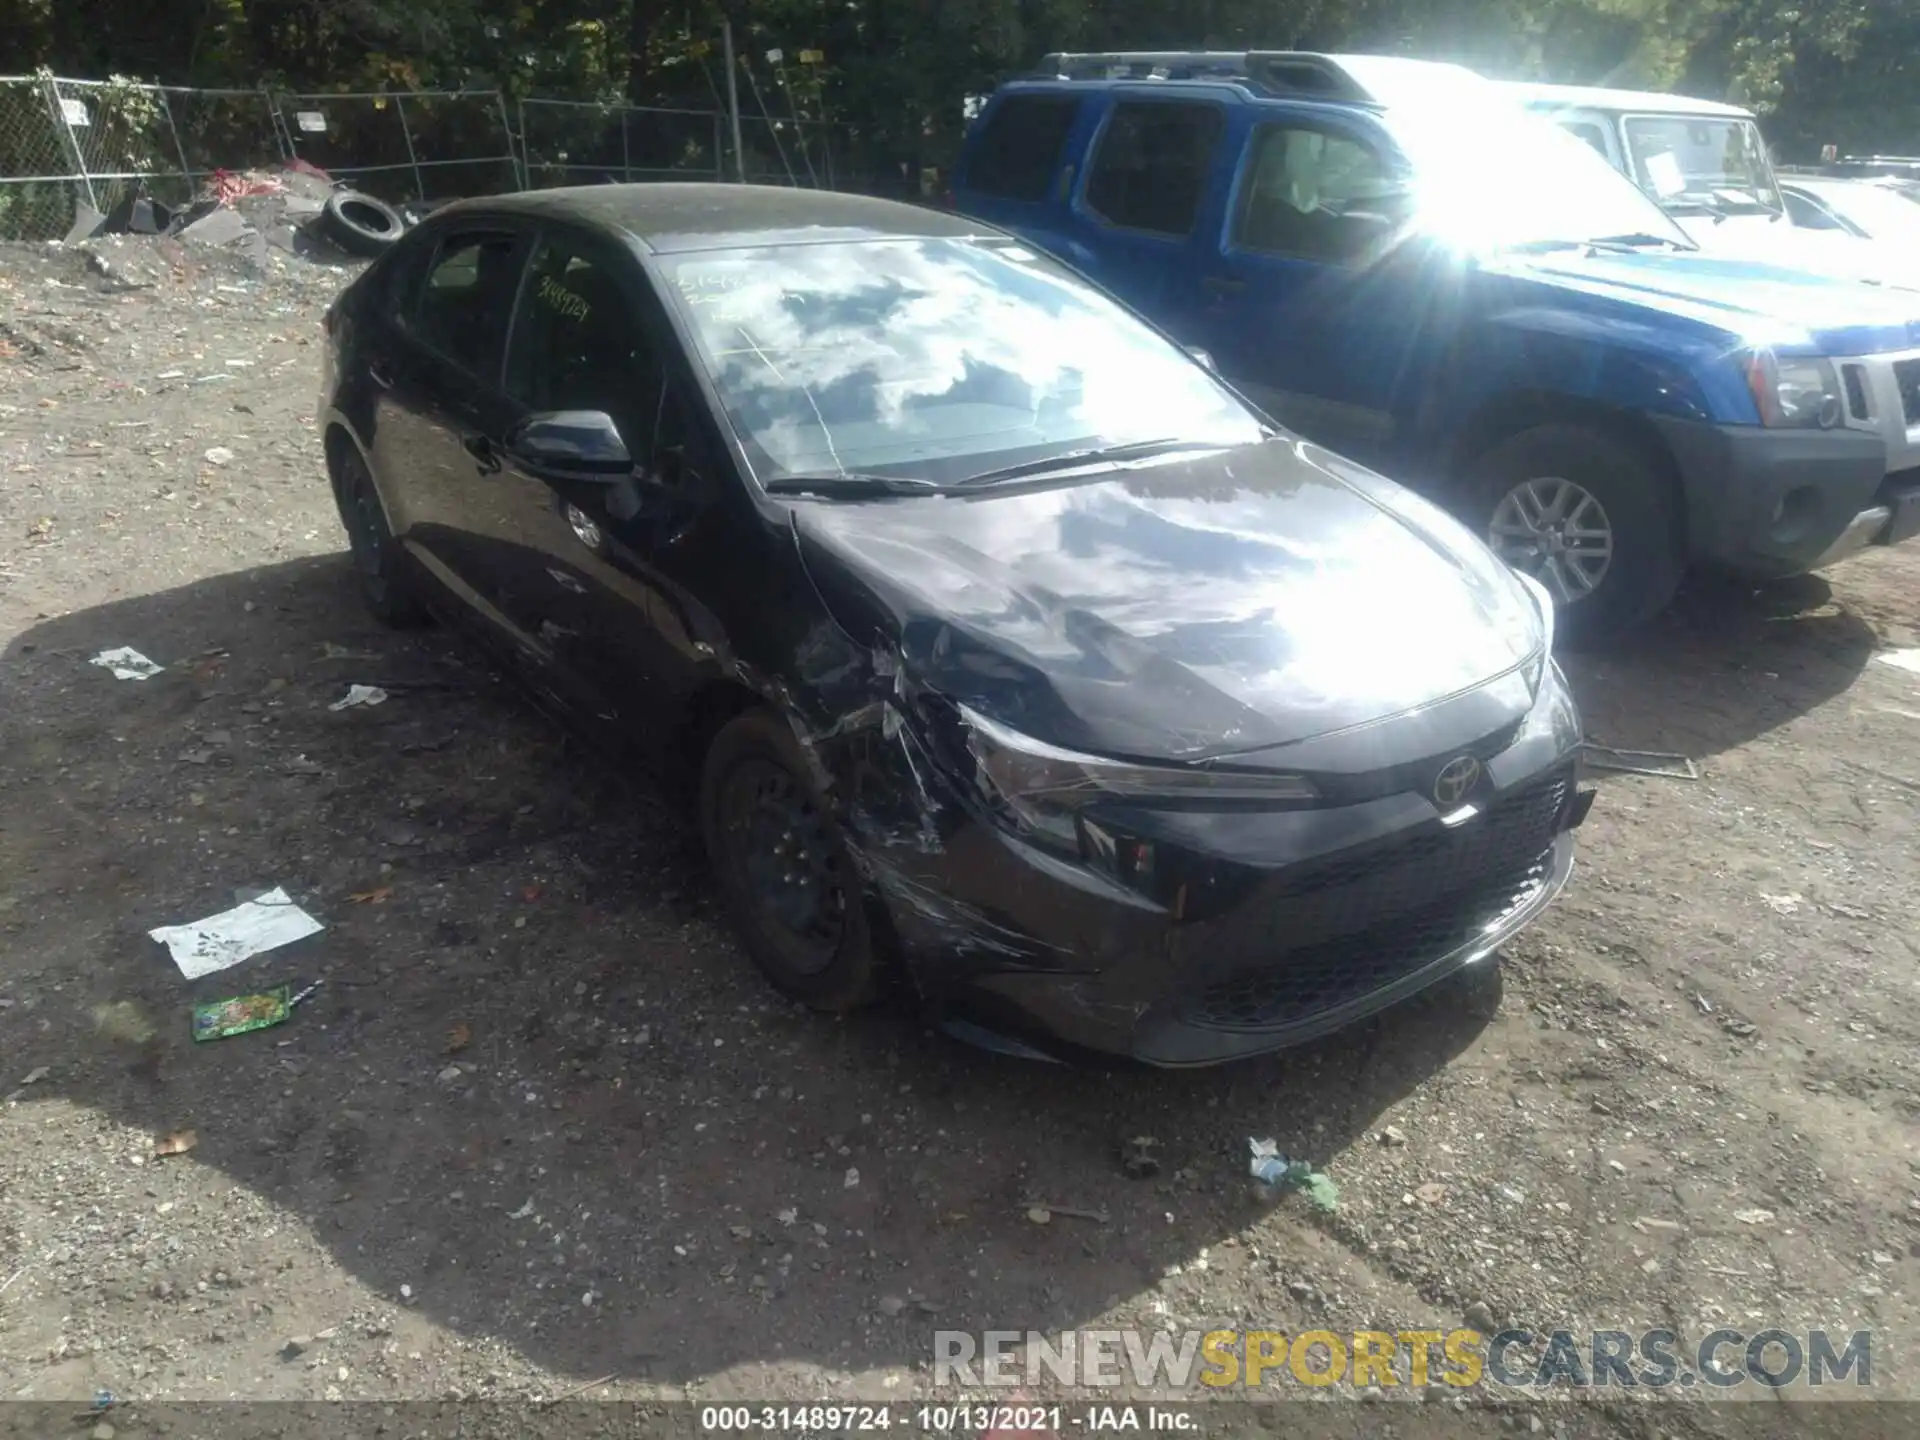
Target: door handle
x,y
1223,285
377,373
481,449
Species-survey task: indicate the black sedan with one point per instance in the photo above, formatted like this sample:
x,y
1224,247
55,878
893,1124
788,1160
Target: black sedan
x,y
1001,648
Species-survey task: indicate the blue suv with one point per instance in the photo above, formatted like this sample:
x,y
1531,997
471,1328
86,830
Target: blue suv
x,y
1397,262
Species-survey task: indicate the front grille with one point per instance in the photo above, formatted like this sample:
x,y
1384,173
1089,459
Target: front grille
x,y
1906,374
1316,902
1308,982
1330,932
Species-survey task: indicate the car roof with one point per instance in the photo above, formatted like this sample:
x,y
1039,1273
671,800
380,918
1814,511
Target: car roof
x,y
1372,81
672,218
1596,97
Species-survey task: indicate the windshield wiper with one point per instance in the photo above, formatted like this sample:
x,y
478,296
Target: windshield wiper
x,y
1635,240
852,485
1638,240
1073,459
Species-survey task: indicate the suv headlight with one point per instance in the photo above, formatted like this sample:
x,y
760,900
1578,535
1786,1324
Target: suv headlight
x,y
1043,787
1794,392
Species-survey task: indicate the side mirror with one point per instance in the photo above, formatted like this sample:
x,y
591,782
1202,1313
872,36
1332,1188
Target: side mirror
x,y
1204,357
574,444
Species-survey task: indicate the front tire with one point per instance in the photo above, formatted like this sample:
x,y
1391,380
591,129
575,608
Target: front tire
x,y
783,866
378,565
1588,516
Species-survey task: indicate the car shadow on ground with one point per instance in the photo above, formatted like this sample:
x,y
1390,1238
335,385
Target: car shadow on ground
x,y
636,1117
541,1089
1725,664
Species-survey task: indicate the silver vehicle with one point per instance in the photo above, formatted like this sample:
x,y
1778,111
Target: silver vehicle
x,y
1884,210
1706,163
1707,166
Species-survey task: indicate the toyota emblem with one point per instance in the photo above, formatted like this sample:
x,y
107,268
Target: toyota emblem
x,y
1455,781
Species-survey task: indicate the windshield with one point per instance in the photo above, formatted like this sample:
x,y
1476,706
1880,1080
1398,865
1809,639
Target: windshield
x,y
1493,175
1880,211
936,359
1702,165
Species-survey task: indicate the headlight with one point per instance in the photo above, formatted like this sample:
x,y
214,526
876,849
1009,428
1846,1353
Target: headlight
x,y
1043,786
1793,392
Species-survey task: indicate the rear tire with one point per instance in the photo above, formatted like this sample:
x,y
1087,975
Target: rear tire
x,y
385,583
1590,517
783,867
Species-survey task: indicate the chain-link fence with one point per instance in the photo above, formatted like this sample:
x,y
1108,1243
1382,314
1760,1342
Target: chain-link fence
x,y
36,167
570,142
66,142
405,145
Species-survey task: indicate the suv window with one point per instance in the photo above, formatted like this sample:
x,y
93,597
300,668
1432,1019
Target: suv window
x,y
1150,170
1806,213
463,308
579,344
1020,144
1316,195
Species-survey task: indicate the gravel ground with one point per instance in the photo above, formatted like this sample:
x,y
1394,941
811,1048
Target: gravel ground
x,y
543,1125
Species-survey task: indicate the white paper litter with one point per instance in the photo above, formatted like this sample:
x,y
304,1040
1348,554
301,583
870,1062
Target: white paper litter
x,y
1901,660
127,664
224,940
359,695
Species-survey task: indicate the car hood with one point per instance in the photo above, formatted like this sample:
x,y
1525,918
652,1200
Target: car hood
x,y
1180,610
1826,252
1764,303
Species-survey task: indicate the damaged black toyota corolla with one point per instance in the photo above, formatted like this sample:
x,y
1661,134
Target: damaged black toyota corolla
x,y
1004,647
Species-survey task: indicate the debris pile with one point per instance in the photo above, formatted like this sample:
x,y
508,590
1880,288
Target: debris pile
x,y
298,209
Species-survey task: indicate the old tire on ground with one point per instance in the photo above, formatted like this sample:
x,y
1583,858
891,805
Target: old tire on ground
x,y
783,867
378,564
360,224
1588,515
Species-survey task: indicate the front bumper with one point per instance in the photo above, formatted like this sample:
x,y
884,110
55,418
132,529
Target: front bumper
x,y
1265,929
1771,503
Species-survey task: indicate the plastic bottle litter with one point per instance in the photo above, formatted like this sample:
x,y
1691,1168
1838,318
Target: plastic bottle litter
x,y
1276,1174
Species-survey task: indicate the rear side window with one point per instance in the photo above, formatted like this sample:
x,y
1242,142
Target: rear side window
x,y
1150,170
464,305
1019,146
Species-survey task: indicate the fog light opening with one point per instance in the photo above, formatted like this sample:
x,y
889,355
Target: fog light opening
x,y
1795,515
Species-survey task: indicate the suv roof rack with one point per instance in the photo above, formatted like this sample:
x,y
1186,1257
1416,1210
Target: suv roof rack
x,y
1291,72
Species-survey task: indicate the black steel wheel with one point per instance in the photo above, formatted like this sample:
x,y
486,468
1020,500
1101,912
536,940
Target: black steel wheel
x,y
783,866
377,562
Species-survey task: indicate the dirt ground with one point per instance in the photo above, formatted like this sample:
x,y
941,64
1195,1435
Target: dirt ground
x,y
543,1126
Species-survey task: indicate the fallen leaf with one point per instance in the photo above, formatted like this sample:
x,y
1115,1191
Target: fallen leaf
x,y
376,896
458,1039
178,1143
530,893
